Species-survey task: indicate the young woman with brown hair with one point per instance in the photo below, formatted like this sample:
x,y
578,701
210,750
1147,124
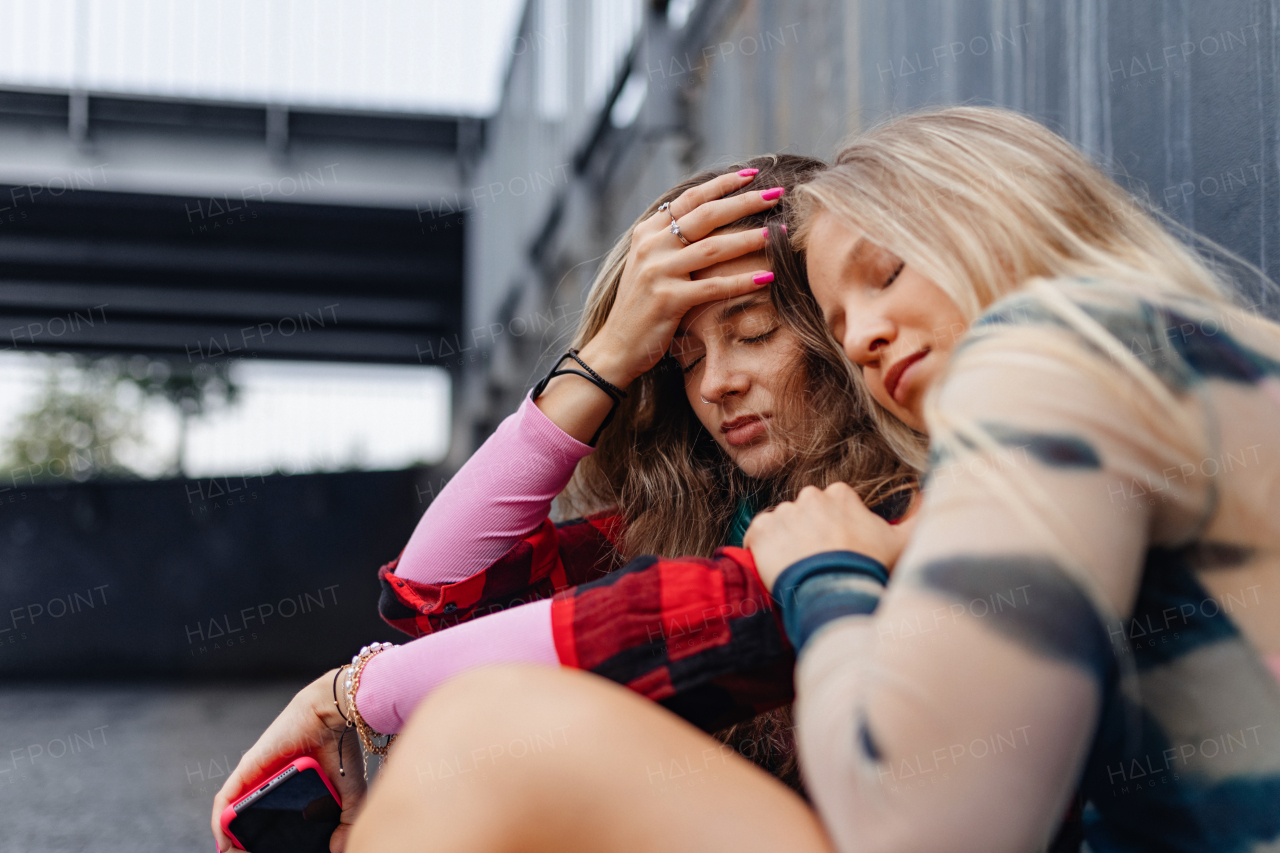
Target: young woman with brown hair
x,y
731,406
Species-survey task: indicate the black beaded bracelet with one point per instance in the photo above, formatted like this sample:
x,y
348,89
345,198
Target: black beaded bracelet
x,y
615,393
600,380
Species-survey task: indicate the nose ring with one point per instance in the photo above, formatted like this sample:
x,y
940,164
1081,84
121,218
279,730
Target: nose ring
x,y
704,399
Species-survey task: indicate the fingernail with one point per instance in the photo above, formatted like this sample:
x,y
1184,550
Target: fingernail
x,y
765,230
770,195
762,278
748,173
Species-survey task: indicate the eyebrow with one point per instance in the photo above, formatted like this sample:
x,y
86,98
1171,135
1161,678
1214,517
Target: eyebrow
x,y
728,312
851,257
859,247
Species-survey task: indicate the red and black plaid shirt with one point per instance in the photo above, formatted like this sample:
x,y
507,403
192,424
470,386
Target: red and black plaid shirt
x,y
699,636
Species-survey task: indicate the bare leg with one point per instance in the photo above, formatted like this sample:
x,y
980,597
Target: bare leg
x,y
532,759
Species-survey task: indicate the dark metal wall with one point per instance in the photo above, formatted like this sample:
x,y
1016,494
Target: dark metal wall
x,y
1179,98
231,577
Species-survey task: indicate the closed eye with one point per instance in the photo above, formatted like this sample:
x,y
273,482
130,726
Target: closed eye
x,y
759,339
894,276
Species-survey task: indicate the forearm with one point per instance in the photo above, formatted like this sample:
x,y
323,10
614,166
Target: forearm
x,y
501,494
395,681
697,634
917,723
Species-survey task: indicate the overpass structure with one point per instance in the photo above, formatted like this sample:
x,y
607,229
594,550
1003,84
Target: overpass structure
x,y
202,230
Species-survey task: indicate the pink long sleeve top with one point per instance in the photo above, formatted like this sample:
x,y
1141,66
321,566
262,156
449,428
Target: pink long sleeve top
x,y
699,635
500,495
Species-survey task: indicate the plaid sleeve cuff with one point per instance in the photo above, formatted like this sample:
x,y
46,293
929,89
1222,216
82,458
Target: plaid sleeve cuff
x,y
551,558
530,571
827,586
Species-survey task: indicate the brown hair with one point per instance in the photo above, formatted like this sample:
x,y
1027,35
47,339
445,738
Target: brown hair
x,y
657,466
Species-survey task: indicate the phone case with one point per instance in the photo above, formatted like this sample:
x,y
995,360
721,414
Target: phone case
x,y
306,763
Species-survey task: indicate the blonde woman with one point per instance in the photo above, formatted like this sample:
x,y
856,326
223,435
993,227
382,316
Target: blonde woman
x,y
1092,593
1098,554
704,390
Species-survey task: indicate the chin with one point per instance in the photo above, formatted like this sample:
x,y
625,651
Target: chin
x,y
910,412
897,410
758,460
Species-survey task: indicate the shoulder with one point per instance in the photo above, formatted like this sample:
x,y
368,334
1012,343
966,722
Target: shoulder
x,y
1093,375
1062,370
1180,339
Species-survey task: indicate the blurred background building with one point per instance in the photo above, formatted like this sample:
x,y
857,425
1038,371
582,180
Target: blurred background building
x,y
270,270
1179,100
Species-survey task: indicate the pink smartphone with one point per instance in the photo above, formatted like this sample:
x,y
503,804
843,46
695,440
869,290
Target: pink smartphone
x,y
295,811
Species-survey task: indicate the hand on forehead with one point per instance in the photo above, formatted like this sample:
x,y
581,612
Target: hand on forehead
x,y
742,264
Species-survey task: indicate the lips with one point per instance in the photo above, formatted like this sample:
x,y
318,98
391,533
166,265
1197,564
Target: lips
x,y
893,377
743,429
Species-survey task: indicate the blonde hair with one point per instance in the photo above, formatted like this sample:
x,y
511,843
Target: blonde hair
x,y
987,203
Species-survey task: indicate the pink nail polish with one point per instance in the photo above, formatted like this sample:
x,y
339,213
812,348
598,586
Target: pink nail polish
x,y
762,278
748,173
770,195
765,231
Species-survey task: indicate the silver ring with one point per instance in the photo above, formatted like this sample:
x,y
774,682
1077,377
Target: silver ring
x,y
665,207
675,229
704,399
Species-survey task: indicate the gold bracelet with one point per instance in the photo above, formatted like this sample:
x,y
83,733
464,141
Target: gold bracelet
x,y
367,735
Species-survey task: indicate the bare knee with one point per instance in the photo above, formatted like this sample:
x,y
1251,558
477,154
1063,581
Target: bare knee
x,y
483,761
540,759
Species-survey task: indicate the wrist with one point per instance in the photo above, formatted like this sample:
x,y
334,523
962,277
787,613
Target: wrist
x,y
828,562
609,362
337,703
825,587
351,683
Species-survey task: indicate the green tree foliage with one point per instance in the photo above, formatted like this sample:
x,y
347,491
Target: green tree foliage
x,y
74,431
193,389
85,415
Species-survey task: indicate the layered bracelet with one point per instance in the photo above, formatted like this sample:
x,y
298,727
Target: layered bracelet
x,y
368,737
615,393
